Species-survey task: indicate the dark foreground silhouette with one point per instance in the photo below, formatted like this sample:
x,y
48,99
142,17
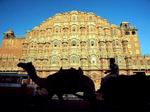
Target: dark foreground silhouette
x,y
68,81
127,91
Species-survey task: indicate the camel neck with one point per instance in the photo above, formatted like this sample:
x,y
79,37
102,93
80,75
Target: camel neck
x,y
33,75
35,78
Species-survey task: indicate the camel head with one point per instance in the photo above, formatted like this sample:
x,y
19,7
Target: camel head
x,y
26,66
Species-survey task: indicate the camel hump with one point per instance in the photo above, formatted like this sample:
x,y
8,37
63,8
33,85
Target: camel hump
x,y
73,71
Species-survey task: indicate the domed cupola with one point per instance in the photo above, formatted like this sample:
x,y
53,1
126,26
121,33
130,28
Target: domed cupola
x,y
9,34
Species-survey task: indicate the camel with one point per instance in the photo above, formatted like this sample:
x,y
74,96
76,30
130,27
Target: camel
x,y
65,81
126,89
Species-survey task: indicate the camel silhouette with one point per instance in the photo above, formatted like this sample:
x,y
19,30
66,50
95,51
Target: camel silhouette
x,y
65,81
132,90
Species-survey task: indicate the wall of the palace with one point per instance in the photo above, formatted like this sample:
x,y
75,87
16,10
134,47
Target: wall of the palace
x,y
75,39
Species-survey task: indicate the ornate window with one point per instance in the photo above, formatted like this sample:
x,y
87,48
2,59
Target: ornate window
x,y
90,18
113,44
56,44
101,44
54,60
93,59
57,29
127,33
74,59
117,43
40,47
42,32
65,29
73,43
74,18
46,48
82,28
83,43
91,28
25,46
92,43
74,29
64,43
49,31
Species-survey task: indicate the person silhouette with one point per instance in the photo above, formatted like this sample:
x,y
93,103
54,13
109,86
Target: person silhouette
x,y
112,72
113,68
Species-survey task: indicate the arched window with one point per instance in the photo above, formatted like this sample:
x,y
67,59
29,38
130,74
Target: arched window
x,y
64,44
65,29
127,33
117,43
101,44
82,29
74,18
49,29
31,45
40,47
46,48
57,29
74,29
93,59
74,59
92,43
54,60
91,28
90,18
113,43
56,44
73,43
83,43
25,46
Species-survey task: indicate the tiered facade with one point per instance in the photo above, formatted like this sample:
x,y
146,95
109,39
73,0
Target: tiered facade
x,y
75,39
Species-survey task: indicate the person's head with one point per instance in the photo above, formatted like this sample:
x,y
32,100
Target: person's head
x,y
112,60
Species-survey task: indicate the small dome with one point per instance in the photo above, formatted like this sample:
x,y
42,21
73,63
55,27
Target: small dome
x,y
9,31
9,34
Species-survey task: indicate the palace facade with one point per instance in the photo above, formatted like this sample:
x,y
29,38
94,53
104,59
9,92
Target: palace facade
x,y
75,39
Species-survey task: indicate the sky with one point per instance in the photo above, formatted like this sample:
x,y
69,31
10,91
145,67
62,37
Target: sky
x,y
23,15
